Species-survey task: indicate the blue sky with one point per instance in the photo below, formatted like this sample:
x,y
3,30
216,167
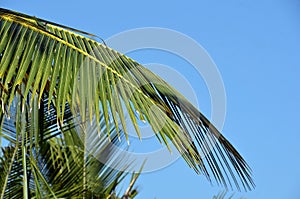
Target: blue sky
x,y
256,47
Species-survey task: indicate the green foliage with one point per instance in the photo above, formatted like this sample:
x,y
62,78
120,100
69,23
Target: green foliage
x,y
51,161
51,75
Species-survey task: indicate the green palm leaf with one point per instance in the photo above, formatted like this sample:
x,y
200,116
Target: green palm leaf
x,y
51,160
38,57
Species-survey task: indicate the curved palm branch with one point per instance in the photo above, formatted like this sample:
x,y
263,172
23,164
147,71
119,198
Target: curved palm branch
x,y
39,57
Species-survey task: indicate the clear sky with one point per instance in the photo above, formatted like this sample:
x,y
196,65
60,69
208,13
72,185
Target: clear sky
x,y
256,47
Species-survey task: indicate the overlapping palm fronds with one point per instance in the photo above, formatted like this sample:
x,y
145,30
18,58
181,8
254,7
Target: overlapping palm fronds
x,y
44,159
39,58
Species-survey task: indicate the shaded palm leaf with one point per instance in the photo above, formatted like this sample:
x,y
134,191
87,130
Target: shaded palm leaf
x,y
39,164
91,78
11,173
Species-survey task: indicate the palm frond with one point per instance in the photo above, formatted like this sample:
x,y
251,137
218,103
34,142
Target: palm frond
x,y
39,164
74,70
